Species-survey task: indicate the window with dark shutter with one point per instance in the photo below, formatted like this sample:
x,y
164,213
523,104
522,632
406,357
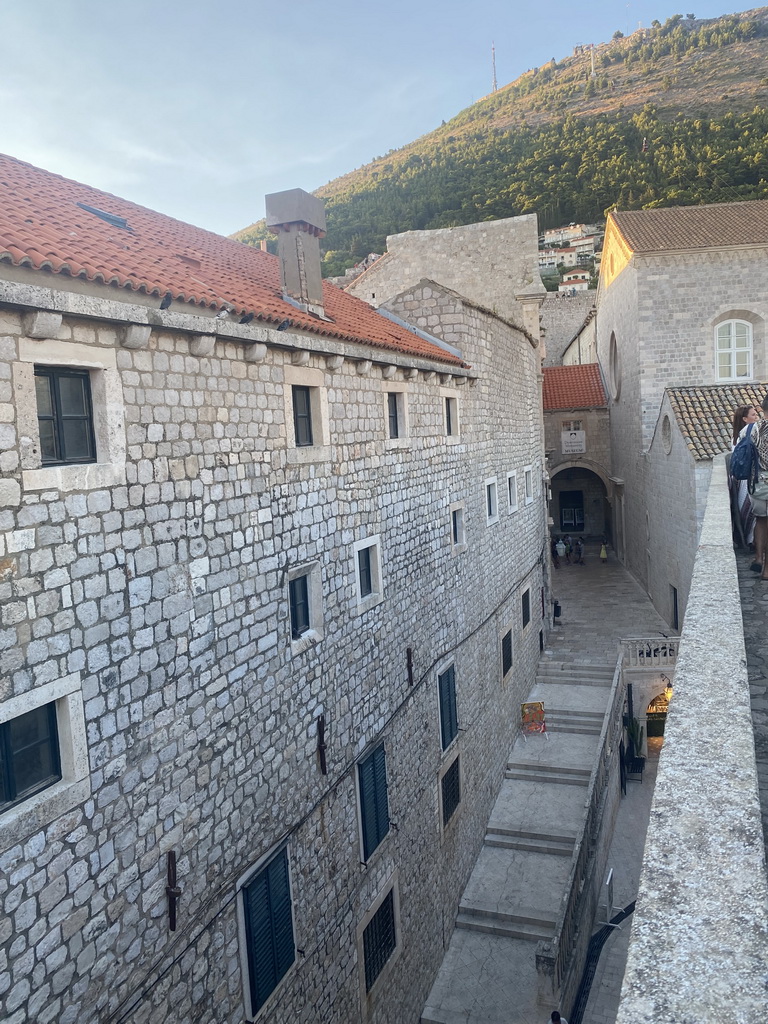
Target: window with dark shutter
x,y
302,416
449,727
268,928
451,791
374,806
379,940
506,652
394,421
298,593
64,415
364,567
29,755
526,607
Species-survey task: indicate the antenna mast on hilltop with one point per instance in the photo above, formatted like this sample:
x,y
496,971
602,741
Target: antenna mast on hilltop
x,y
494,86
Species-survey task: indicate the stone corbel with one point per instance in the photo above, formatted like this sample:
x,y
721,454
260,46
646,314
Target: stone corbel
x,y
363,366
388,372
458,381
42,324
334,363
202,345
300,358
430,376
412,373
135,336
255,353
446,379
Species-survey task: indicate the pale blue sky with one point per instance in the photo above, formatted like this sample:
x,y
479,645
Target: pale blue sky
x,y
197,109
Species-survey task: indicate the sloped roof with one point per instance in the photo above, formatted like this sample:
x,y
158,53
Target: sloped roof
x,y
718,225
43,226
573,387
704,414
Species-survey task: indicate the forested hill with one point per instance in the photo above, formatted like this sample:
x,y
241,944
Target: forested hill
x,y
673,115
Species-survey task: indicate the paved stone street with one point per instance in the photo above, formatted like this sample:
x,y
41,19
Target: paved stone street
x,y
489,973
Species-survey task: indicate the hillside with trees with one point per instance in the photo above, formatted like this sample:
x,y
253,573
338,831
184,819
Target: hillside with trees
x,y
676,114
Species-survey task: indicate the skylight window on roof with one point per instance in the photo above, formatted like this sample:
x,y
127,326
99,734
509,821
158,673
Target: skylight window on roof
x,y
110,218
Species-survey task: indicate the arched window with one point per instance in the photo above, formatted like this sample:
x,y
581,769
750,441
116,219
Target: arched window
x,y
733,344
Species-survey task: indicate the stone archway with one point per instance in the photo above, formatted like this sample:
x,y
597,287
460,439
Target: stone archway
x,y
580,502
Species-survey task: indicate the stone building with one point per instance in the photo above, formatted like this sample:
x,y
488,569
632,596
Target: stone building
x,y
577,443
680,304
272,589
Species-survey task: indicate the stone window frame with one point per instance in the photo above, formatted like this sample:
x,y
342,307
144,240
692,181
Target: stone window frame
x,y
22,819
449,726
108,409
451,416
403,439
731,319
458,544
265,1010
512,492
365,602
368,998
366,757
528,478
314,379
315,632
491,490
506,632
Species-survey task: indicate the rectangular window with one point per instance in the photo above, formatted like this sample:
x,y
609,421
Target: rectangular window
x,y
268,928
364,570
302,416
393,414
449,726
379,940
451,791
451,417
569,425
64,415
298,590
374,807
526,607
512,491
457,526
367,555
506,652
491,501
29,755
528,485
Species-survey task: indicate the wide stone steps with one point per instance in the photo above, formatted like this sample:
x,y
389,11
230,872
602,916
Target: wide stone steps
x,y
545,773
529,925
575,675
530,842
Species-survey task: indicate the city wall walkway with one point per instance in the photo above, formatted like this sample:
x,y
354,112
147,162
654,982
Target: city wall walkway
x,y
489,974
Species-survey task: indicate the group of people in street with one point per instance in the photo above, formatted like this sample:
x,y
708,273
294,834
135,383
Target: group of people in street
x,y
750,510
572,551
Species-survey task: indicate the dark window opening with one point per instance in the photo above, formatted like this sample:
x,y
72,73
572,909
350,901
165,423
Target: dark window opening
x,y
379,940
302,416
526,608
364,571
268,928
394,422
298,592
29,755
64,415
374,806
449,725
457,529
451,786
451,423
506,652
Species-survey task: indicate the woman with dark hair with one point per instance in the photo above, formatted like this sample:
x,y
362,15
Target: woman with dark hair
x,y
743,416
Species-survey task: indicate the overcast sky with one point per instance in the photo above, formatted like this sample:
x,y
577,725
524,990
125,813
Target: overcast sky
x,y
199,108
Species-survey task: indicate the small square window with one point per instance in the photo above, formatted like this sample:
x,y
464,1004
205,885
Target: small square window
x,y
299,600
268,929
450,786
64,415
379,939
29,755
506,653
512,491
528,485
526,607
491,501
369,590
302,416
446,693
374,806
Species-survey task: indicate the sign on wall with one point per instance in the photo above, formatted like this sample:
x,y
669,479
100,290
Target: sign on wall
x,y
573,442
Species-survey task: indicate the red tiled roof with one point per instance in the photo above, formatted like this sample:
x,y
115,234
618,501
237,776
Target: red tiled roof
x,y
714,226
573,387
42,227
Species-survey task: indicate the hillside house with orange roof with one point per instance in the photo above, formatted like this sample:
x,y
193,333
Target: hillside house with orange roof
x,y
272,588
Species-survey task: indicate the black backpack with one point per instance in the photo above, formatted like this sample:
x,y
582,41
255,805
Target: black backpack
x,y
745,464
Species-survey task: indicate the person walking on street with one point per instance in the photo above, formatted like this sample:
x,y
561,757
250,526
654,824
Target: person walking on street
x,y
603,553
579,549
557,1019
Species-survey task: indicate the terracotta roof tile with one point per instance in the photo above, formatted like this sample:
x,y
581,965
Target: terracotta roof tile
x,y
694,227
704,414
42,227
573,387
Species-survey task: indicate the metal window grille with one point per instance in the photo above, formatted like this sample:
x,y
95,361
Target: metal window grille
x,y
451,786
506,652
379,940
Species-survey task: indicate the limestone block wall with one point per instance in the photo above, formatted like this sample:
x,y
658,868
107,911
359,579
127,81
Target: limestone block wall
x,y
152,600
488,263
561,318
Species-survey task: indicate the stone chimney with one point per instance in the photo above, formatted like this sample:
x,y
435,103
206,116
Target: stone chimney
x,y
298,220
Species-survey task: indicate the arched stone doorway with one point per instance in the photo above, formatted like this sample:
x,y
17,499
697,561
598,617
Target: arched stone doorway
x,y
580,503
